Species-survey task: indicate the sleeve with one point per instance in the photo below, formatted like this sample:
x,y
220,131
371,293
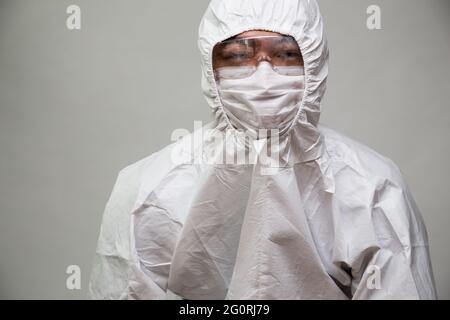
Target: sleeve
x,y
399,267
115,273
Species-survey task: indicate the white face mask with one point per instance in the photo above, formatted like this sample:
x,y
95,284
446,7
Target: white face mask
x,y
265,100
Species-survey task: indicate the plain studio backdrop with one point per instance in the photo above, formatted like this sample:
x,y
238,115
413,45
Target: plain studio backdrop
x,y
76,106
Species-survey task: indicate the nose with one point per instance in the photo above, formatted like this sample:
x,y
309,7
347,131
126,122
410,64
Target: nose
x,y
263,57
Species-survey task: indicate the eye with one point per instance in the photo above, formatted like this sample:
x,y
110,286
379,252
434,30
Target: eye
x,y
237,54
289,54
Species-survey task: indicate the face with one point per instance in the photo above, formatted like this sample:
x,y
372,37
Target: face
x,y
260,80
251,47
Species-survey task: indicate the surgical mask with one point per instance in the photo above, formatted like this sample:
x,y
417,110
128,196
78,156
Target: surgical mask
x,y
269,98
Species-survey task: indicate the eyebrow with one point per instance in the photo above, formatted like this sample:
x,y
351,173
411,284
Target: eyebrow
x,y
287,39
239,39
279,40
232,41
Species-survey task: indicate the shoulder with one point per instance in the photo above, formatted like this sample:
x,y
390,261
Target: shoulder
x,y
185,150
145,175
130,177
344,150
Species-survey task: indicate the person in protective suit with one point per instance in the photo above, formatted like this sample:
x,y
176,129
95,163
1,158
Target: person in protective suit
x,y
320,216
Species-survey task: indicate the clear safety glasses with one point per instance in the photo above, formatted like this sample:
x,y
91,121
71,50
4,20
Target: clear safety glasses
x,y
237,57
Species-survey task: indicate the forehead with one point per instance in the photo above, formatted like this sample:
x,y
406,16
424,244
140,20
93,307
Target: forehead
x,y
257,33
261,35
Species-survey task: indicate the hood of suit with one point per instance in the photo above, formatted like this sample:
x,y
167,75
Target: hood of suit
x,y
300,19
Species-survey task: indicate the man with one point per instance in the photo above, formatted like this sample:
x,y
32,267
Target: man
x,y
320,216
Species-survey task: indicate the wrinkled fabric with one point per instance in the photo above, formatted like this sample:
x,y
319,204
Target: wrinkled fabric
x,y
335,220
265,100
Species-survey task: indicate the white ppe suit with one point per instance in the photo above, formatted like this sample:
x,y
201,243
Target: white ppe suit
x,y
335,220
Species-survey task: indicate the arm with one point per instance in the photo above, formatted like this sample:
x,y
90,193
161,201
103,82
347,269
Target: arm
x,y
400,267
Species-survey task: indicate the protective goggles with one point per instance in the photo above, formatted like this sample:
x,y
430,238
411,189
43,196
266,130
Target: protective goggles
x,y
239,57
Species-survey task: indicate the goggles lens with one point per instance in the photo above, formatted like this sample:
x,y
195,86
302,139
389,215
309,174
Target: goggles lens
x,y
248,71
278,50
239,57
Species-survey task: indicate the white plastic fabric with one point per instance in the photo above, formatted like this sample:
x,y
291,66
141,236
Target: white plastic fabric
x,y
264,100
334,221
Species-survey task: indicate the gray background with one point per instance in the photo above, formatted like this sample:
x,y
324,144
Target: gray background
x,y
77,106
